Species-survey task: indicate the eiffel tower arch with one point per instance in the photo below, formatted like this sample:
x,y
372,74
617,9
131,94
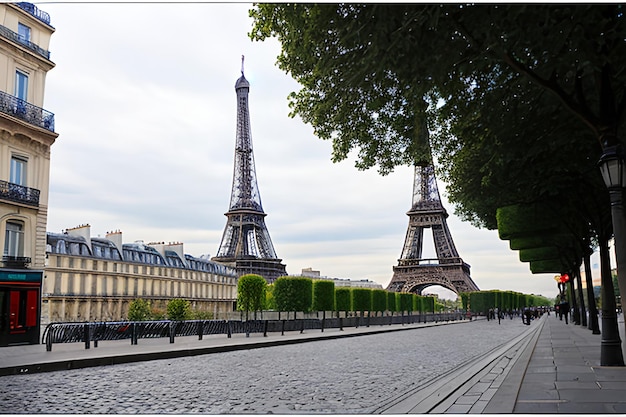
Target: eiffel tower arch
x,y
415,273
246,243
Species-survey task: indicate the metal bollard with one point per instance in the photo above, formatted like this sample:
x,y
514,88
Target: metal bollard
x,y
172,331
282,333
86,335
133,333
230,330
200,329
265,328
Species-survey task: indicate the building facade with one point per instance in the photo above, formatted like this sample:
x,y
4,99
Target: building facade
x,y
95,279
26,135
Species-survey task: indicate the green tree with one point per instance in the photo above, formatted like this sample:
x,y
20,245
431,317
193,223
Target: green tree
x,y
391,301
523,98
251,293
139,310
362,299
270,302
293,294
379,300
178,309
323,296
343,299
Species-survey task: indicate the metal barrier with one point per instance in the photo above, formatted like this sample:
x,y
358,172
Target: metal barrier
x,y
135,330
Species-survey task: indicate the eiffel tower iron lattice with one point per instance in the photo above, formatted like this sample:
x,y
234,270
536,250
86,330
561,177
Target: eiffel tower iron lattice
x,y
413,272
246,243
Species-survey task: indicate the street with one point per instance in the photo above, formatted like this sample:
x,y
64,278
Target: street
x,y
342,376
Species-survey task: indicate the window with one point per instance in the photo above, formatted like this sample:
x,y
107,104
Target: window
x,y
21,85
14,240
23,32
18,170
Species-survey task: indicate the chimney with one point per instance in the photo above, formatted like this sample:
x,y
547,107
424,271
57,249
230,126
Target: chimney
x,y
84,231
178,248
116,238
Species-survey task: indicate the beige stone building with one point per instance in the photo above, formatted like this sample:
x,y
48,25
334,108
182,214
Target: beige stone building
x,y
94,279
26,134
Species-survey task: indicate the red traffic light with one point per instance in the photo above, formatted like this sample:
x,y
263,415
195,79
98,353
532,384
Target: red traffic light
x,y
564,278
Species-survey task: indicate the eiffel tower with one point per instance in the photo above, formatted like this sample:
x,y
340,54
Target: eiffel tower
x,y
415,273
246,243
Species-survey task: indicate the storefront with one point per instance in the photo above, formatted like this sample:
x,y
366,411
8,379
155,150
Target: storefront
x,y
20,301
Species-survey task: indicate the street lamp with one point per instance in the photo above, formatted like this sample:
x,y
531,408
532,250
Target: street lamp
x,y
612,168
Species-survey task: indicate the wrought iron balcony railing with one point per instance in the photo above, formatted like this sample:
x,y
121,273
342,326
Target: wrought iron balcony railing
x,y
23,110
19,193
15,37
11,261
34,11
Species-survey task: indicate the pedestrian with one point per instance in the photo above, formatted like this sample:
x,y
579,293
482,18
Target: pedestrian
x,y
527,314
564,310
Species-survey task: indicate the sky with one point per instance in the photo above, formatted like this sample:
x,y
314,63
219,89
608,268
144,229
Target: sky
x,y
145,108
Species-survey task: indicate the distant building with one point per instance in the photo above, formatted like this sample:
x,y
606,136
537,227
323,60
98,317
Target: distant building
x,y
94,279
26,135
341,282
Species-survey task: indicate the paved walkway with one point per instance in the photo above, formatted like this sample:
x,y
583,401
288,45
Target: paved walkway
x,y
551,368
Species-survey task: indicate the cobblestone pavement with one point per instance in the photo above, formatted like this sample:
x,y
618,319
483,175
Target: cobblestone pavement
x,y
342,376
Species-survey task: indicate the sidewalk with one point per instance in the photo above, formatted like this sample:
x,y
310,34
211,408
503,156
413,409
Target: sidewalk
x,y
551,368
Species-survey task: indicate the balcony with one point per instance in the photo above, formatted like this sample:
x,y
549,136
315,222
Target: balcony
x,y
20,262
9,34
19,194
27,112
34,11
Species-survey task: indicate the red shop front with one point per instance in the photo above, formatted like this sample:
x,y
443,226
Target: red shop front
x,y
20,306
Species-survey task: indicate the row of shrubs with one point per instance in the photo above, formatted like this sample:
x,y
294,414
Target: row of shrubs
x,y
482,301
176,309
302,294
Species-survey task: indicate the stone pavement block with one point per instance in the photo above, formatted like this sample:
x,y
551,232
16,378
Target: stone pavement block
x,y
538,393
467,399
573,376
540,369
610,373
601,395
489,377
459,409
617,408
549,361
574,369
532,378
487,395
479,407
591,385
478,388
535,407
584,408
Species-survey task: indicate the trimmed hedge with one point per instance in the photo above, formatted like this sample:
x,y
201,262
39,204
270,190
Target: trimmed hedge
x,y
293,293
323,295
343,299
361,299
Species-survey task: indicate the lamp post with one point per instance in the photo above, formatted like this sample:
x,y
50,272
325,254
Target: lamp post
x,y
612,168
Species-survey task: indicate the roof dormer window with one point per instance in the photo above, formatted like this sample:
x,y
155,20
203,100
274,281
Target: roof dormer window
x,y
23,32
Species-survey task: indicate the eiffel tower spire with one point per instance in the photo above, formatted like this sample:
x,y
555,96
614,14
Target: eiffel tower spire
x,y
246,243
414,273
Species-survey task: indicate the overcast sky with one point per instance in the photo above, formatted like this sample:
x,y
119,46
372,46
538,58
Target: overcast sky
x,y
144,100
